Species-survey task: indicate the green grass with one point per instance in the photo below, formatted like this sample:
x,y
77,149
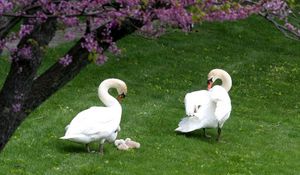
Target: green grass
x,y
261,137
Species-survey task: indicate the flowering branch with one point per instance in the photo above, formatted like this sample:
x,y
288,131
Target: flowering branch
x,y
279,14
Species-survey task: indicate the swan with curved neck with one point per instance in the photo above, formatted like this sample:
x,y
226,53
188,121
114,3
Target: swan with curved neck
x,y
208,108
99,123
215,74
106,98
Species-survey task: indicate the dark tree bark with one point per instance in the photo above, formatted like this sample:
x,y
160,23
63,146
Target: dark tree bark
x,y
23,88
20,79
6,24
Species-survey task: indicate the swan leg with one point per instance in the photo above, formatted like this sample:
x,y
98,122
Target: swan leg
x,y
101,149
206,135
87,147
219,133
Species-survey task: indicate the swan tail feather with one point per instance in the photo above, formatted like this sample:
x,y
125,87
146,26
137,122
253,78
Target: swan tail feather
x,y
189,124
68,137
64,138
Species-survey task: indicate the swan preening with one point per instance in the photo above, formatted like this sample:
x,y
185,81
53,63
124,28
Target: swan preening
x,y
99,123
208,108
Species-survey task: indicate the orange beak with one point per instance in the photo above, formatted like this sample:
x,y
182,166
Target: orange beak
x,y
209,84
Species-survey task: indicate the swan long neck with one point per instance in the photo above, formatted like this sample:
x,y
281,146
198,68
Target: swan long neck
x,y
226,80
103,94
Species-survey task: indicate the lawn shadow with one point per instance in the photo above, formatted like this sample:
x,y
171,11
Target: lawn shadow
x,y
80,148
71,148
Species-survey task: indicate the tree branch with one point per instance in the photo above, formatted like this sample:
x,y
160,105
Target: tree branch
x,y
8,24
287,33
58,75
271,18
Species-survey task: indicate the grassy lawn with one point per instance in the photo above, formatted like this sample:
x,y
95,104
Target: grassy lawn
x,y
261,137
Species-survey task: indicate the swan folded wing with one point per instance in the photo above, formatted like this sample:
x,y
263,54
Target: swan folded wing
x,y
94,120
88,132
223,103
94,115
222,110
189,102
194,100
219,93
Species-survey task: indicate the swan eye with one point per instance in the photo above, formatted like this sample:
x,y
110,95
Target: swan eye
x,y
209,80
123,95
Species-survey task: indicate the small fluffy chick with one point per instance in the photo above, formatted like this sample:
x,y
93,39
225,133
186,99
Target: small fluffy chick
x,y
121,145
132,144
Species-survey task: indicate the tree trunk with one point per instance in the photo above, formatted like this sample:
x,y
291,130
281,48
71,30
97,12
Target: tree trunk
x,y
18,83
30,92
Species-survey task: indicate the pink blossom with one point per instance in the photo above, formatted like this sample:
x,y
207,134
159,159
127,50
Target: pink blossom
x,y
113,48
70,21
277,7
16,107
90,43
21,53
290,26
5,6
70,35
66,60
25,30
41,17
101,59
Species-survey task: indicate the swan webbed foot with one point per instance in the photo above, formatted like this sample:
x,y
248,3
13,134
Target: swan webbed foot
x,y
206,135
87,148
219,134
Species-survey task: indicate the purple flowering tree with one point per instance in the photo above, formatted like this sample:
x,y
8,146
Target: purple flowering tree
x,y
105,22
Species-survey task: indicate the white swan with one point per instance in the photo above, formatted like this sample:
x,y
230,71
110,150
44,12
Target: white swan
x,y
208,108
99,123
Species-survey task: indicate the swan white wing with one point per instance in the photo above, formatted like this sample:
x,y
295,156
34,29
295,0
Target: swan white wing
x,y
94,122
194,100
188,124
189,104
222,110
94,114
200,109
223,103
202,119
